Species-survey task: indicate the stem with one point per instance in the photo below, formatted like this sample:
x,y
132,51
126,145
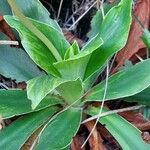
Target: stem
x,y
3,42
102,105
82,15
60,6
113,112
34,30
102,9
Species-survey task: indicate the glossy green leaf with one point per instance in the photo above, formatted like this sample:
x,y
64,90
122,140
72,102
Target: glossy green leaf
x,y
114,32
36,49
124,83
72,50
16,64
32,9
75,67
71,90
98,18
89,82
59,133
34,30
146,37
16,134
15,102
38,88
90,47
128,136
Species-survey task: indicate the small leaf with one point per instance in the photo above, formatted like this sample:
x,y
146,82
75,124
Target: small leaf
x,y
146,37
38,88
16,64
71,90
124,83
59,133
20,130
15,103
75,66
72,50
98,19
128,136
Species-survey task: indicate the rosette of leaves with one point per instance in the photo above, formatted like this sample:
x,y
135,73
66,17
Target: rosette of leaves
x,y
54,99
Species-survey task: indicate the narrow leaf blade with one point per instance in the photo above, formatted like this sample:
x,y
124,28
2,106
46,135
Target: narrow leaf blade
x,y
124,83
38,88
115,27
15,103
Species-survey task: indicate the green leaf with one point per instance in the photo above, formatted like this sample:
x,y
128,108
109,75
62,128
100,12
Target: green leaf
x,y
72,51
16,64
114,32
36,49
98,19
35,10
59,133
71,90
16,134
89,82
123,84
75,66
15,102
141,98
32,9
128,136
34,30
38,88
146,37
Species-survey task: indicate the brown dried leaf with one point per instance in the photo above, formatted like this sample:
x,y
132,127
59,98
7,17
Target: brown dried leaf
x,y
77,143
5,28
146,137
71,38
21,85
137,119
110,141
95,141
134,44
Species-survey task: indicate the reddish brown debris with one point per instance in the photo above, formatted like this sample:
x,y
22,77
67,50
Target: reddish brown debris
x,y
110,141
5,28
71,38
137,119
134,44
77,143
95,141
146,137
21,85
